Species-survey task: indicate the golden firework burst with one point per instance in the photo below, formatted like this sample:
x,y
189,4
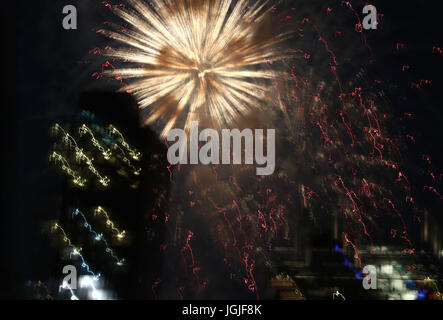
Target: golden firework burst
x,y
200,60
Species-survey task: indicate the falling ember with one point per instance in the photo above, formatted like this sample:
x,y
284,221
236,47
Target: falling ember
x,y
198,60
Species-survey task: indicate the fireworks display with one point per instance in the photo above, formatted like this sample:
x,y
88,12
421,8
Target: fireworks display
x,y
351,187
200,60
345,168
